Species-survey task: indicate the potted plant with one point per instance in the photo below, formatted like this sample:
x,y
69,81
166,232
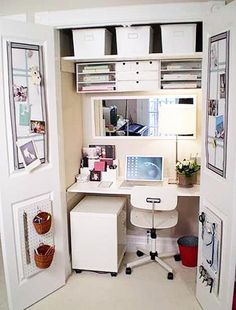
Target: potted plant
x,y
187,170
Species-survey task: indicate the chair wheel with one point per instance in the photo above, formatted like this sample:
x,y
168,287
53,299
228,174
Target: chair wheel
x,y
170,276
177,257
128,270
113,274
139,253
78,270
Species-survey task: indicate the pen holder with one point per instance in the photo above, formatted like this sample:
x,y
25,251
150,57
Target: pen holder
x,y
43,256
42,222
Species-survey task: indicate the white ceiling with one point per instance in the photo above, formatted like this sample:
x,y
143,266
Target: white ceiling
x,y
8,7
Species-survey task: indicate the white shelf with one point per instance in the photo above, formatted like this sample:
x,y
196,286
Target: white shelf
x,y
181,73
98,82
180,80
154,56
100,72
179,70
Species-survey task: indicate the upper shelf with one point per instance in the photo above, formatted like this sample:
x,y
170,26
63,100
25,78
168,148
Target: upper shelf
x,y
156,56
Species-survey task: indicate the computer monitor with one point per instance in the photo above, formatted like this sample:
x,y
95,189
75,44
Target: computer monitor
x,y
144,168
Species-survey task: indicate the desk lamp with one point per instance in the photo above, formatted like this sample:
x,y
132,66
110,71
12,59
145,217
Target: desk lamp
x,y
177,119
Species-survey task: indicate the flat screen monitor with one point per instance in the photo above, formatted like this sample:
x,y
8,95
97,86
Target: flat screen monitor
x,y
144,168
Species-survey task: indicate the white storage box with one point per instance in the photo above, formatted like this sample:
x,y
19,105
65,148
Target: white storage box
x,y
178,38
91,42
132,41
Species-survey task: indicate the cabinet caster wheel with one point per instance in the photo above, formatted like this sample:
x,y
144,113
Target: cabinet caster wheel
x,y
170,276
113,274
128,270
177,257
139,253
78,270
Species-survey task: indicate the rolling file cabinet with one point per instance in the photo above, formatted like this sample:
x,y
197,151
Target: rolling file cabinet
x,y
98,233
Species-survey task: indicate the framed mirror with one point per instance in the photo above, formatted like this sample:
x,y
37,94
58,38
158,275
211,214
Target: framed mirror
x,y
145,116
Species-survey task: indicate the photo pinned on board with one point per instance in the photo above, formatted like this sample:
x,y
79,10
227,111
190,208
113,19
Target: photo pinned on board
x,y
220,132
20,93
29,154
37,127
213,107
222,85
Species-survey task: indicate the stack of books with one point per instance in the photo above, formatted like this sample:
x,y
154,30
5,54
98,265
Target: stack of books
x,y
96,69
99,87
179,77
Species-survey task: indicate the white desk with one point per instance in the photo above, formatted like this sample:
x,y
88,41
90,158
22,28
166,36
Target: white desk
x,y
115,189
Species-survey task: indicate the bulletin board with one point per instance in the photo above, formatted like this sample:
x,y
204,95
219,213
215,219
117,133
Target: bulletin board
x,y
217,103
27,100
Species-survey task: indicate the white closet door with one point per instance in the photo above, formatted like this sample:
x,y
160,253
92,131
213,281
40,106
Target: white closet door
x,y
24,193
217,251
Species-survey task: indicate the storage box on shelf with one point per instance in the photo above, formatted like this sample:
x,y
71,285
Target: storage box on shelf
x,y
133,41
91,77
91,42
181,73
137,75
178,38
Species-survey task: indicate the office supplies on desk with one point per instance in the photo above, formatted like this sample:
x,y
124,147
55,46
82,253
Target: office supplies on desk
x,y
100,166
141,170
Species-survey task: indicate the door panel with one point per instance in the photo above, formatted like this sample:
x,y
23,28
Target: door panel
x,y
218,195
24,193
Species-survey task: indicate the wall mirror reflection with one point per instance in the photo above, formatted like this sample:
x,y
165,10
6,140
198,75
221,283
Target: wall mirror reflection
x,y
160,116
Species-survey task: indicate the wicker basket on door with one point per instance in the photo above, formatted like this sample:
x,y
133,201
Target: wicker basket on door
x,y
42,222
43,255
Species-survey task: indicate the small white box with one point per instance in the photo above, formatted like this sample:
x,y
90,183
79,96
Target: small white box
x,y
178,38
132,41
91,42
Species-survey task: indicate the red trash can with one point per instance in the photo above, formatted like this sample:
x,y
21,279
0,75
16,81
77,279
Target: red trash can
x,y
188,248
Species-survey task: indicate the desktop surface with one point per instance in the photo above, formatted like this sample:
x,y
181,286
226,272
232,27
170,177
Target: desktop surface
x,y
116,189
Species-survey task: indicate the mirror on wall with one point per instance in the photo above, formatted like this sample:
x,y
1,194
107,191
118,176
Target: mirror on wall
x,y
144,116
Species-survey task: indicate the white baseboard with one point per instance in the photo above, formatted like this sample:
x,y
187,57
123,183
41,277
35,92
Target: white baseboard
x,y
164,245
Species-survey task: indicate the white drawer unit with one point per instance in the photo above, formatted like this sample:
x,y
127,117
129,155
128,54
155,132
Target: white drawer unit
x,y
137,75
98,234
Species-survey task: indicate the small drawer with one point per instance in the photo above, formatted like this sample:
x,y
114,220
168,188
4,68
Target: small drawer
x,y
151,65
124,66
137,75
137,85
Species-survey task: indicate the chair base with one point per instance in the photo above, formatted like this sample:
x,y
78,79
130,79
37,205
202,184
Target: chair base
x,y
151,257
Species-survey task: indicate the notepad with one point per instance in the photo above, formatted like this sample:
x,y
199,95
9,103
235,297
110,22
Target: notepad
x,y
105,184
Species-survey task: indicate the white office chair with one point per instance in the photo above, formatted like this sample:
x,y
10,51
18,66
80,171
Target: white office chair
x,y
153,208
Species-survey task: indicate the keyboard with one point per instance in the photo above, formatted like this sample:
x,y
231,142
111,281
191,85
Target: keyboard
x,y
130,184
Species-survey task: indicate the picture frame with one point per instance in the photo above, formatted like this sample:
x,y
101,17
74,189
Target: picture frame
x,y
95,176
29,154
217,103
